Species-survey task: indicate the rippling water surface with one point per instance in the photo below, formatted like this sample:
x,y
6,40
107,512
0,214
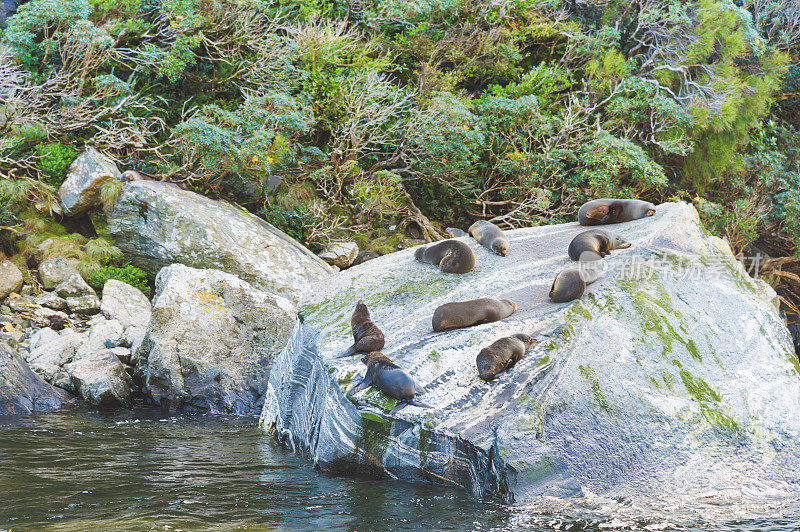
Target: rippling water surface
x,y
141,471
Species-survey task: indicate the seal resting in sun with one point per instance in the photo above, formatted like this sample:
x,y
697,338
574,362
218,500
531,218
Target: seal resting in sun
x,y
611,211
390,379
570,284
366,335
502,355
595,244
461,314
490,236
451,256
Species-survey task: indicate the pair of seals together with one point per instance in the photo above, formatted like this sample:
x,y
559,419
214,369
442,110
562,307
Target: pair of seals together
x,y
455,256
611,211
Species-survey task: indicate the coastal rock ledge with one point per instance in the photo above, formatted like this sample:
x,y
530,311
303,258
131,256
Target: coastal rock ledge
x,y
671,379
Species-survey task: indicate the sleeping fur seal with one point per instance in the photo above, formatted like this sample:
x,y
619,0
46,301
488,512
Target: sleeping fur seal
x,y
366,334
502,355
386,376
571,283
595,244
489,235
452,256
473,312
611,211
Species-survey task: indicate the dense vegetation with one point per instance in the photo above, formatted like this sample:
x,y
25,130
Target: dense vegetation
x,y
419,114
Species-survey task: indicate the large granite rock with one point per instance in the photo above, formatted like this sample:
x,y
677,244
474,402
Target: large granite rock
x,y
55,270
157,224
10,278
125,303
85,176
672,376
101,379
21,390
210,340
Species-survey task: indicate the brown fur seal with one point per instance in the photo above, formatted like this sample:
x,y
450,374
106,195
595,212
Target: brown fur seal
x,y
473,312
502,355
490,236
571,283
611,211
595,244
386,376
133,175
366,334
452,256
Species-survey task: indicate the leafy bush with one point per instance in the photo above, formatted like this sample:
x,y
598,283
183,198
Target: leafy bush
x,y
54,160
292,222
131,275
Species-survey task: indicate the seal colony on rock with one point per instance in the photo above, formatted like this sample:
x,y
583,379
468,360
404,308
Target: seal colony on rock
x,y
502,355
570,284
490,236
611,211
461,314
452,256
595,244
366,335
389,378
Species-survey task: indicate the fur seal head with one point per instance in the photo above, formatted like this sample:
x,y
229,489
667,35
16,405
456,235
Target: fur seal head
x,y
595,244
490,236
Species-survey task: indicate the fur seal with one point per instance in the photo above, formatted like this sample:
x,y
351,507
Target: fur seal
x,y
366,334
452,256
389,378
473,312
611,211
570,284
502,355
133,175
490,236
595,244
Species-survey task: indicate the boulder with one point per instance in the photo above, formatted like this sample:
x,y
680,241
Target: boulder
x,y
210,340
74,286
50,300
88,304
87,173
10,278
157,224
102,334
21,390
101,379
673,376
125,303
55,270
47,354
340,254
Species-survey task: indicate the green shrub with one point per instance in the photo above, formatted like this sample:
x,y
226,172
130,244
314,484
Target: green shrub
x,y
292,222
131,275
54,160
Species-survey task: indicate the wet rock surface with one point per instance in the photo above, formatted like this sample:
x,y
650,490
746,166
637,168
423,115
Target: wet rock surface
x,y
22,391
157,224
673,375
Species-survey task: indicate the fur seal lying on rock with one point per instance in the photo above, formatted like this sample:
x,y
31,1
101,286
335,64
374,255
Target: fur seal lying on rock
x,y
386,376
595,244
452,256
473,312
570,284
366,334
502,355
611,211
490,236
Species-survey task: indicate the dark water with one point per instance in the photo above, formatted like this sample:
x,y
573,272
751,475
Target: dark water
x,y
141,471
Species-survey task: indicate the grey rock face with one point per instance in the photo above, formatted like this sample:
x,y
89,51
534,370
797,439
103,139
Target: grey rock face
x,y
673,374
101,379
51,301
89,304
74,286
55,270
125,303
211,339
47,353
87,173
157,224
340,254
10,278
21,390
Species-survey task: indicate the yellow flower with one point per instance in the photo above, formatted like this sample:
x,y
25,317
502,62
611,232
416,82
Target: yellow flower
x,y
466,128
255,158
269,160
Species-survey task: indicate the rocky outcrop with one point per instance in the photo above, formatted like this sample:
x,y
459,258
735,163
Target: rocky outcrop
x,y
55,270
125,303
673,375
210,341
21,390
85,176
10,278
79,296
157,224
340,254
101,379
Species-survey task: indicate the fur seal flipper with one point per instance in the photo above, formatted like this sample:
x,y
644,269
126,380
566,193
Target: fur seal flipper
x,y
452,256
366,335
387,377
502,354
570,284
490,236
595,244
611,211
473,312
